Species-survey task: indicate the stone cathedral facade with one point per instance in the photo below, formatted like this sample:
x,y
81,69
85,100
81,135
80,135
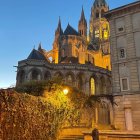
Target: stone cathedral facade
x,y
81,58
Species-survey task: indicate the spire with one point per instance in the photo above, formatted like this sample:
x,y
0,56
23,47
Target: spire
x,y
59,28
82,15
39,46
59,23
82,27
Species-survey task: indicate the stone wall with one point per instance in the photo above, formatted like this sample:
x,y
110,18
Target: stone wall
x,y
133,103
114,135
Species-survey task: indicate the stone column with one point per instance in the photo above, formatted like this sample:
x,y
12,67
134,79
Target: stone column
x,y
128,115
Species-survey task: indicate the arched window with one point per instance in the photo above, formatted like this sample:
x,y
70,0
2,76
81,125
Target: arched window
x,y
63,53
35,75
97,14
102,86
92,86
102,13
59,75
80,82
69,80
47,76
21,76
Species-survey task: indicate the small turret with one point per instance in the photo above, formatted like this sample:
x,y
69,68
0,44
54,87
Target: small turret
x,y
82,27
59,30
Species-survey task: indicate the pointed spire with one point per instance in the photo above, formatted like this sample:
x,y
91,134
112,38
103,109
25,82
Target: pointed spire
x,y
59,22
59,29
39,46
82,19
82,14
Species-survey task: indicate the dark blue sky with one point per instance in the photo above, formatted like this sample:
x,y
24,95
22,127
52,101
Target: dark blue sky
x,y
25,23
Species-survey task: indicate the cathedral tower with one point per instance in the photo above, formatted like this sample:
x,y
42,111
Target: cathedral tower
x,y
82,27
58,33
99,34
98,24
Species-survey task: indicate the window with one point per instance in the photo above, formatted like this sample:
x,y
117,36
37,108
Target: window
x,y
122,53
63,53
92,86
124,84
97,15
69,79
120,29
35,75
97,33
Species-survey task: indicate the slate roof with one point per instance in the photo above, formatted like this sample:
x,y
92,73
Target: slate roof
x,y
36,55
71,31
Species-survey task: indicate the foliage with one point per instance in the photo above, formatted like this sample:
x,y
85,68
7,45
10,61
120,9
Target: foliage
x,y
92,100
24,116
35,88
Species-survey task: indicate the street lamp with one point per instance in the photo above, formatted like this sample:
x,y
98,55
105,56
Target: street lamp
x,y
65,91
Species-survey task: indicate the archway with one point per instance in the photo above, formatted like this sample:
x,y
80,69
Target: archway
x,y
21,76
70,79
47,76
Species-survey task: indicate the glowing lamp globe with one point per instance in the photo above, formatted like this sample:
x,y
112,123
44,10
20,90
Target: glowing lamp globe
x,y
65,91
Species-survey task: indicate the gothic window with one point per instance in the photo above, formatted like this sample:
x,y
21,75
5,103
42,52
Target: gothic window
x,y
80,82
59,75
97,14
102,86
35,75
97,33
77,54
63,52
102,13
21,76
69,79
92,86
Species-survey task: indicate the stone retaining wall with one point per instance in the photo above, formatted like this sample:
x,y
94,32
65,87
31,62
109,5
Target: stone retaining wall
x,y
115,135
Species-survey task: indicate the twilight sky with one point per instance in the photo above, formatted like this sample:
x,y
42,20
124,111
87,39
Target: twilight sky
x,y
26,23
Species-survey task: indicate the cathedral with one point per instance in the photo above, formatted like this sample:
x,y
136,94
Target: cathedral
x,y
81,58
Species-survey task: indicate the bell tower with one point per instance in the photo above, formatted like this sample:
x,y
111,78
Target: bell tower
x,y
99,27
82,27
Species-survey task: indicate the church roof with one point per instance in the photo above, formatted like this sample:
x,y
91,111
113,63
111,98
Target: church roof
x,y
36,55
99,3
71,31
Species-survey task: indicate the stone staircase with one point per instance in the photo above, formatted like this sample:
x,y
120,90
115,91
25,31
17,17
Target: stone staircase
x,y
72,134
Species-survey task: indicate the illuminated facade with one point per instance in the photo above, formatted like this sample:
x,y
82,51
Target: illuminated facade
x,y
81,59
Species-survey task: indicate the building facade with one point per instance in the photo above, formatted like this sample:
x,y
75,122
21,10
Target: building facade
x,y
125,58
80,58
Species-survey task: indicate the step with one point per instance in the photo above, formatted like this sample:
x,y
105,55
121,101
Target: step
x,y
72,137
